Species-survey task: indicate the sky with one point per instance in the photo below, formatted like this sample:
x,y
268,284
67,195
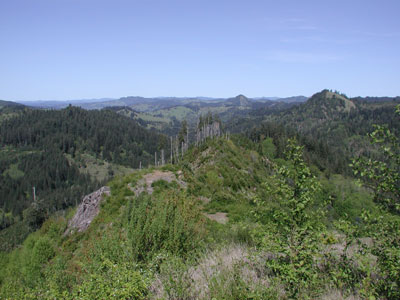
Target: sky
x,y
84,49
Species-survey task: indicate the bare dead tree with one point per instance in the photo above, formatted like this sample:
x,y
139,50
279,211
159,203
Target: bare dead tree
x,y
176,148
187,139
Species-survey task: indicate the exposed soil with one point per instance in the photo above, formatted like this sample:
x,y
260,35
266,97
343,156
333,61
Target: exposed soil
x,y
145,183
205,200
219,217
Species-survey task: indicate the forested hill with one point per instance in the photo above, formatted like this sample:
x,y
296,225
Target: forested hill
x,y
9,109
4,104
338,120
104,134
329,122
64,154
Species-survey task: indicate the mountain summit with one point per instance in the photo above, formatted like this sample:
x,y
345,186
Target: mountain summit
x,y
330,102
239,100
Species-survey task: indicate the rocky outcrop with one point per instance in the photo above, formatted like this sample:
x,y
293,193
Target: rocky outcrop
x,y
87,210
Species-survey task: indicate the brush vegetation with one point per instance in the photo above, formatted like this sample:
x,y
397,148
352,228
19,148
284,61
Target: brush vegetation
x,y
292,233
256,216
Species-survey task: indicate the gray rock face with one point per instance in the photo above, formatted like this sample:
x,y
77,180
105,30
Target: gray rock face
x,y
87,210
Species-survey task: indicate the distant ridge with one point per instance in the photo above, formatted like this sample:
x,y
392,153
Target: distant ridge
x,y
144,104
292,99
62,103
376,99
159,102
4,103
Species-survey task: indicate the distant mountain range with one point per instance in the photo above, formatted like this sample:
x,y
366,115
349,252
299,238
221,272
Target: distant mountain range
x,y
144,104
59,104
147,104
166,113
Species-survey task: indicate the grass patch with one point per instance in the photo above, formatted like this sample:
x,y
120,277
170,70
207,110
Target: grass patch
x,y
99,169
14,172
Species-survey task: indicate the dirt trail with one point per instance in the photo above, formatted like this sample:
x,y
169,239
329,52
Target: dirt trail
x,y
145,183
219,217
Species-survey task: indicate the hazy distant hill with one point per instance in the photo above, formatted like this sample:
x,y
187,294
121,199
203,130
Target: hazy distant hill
x,y
286,100
239,100
60,104
148,104
376,99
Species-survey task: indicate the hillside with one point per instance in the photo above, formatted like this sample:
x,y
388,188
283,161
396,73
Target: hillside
x,y
4,104
213,226
9,109
327,122
62,155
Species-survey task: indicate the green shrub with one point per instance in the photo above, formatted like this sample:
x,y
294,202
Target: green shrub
x,y
296,222
268,148
169,221
40,254
112,281
43,250
161,183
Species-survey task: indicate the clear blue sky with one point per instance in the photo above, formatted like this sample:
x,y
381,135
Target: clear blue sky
x,y
74,49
